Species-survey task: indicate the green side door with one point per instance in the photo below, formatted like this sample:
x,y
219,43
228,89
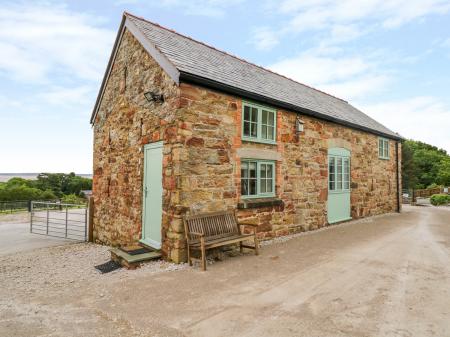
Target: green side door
x,y
338,205
152,195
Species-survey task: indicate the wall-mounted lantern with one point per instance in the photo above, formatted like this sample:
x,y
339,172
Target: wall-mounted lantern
x,y
154,97
299,125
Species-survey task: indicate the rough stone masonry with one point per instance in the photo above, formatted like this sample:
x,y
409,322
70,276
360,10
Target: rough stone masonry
x,y
201,130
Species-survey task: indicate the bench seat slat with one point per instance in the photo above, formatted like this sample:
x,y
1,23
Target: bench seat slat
x,y
224,241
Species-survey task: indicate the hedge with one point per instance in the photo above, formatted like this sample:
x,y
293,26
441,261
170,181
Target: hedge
x,y
440,199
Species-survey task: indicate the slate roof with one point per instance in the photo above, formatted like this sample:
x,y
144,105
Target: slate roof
x,y
206,63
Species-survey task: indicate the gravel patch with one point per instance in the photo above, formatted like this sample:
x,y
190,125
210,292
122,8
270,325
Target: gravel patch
x,y
54,268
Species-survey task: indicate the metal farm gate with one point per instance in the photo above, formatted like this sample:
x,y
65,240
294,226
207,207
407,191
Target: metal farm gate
x,y
60,220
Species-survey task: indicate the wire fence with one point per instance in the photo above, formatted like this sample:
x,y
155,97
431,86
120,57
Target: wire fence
x,y
14,206
25,205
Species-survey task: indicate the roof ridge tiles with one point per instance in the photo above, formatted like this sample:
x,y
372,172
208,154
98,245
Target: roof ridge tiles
x,y
231,55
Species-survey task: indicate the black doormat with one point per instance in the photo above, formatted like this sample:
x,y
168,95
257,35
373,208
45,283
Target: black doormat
x,y
136,250
108,267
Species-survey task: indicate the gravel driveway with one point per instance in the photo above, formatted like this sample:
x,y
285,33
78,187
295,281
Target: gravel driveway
x,y
384,276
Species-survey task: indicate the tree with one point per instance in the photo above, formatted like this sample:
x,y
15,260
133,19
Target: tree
x,y
47,186
409,179
443,175
424,165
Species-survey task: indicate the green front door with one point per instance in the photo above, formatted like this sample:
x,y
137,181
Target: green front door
x,y
338,207
152,195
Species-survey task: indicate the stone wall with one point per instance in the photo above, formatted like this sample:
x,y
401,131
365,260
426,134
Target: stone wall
x,y
202,151
124,123
211,171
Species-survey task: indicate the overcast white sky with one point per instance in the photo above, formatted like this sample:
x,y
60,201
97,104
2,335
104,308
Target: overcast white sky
x,y
391,59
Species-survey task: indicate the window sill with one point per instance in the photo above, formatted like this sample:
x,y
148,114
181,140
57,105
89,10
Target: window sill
x,y
252,140
338,191
259,203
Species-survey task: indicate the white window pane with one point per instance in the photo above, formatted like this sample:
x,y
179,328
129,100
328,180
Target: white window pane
x,y
254,115
244,170
264,115
262,186
346,177
244,187
252,187
331,178
271,120
253,129
246,113
262,171
339,174
270,185
264,131
246,129
252,169
270,171
271,133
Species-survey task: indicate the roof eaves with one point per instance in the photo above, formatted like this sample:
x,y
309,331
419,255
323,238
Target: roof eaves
x,y
195,79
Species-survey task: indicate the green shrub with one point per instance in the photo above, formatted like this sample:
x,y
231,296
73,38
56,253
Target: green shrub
x,y
48,195
440,199
71,199
433,185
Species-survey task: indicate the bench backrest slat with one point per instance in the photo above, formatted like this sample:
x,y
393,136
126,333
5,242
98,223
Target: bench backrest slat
x,y
213,225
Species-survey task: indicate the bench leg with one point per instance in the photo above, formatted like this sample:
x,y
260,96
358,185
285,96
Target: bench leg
x,y
203,254
256,245
189,255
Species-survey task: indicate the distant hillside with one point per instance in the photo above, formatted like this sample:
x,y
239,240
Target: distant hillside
x,y
6,176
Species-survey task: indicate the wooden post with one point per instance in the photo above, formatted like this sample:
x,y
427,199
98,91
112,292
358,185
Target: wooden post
x,y
91,219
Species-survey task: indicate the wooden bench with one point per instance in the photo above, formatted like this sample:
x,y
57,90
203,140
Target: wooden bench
x,y
212,230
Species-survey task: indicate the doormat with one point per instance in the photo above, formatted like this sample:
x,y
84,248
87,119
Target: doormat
x,y
108,267
135,250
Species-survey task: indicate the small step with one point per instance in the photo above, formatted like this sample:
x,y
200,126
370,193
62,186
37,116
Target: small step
x,y
132,261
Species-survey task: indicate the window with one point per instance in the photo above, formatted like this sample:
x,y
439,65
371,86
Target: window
x,y
338,173
257,178
258,123
383,148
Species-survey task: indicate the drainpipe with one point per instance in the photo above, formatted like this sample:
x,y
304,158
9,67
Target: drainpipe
x,y
397,177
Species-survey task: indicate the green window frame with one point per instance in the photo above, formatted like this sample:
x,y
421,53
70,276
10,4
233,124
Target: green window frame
x,y
338,173
383,148
259,123
257,178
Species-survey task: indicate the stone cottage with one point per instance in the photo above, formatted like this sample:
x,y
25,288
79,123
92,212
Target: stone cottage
x,y
181,127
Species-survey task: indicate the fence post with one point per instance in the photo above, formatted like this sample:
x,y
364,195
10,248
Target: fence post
x,y
85,222
67,216
91,219
47,217
31,216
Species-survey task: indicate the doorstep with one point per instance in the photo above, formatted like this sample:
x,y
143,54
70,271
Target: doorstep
x,y
133,261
